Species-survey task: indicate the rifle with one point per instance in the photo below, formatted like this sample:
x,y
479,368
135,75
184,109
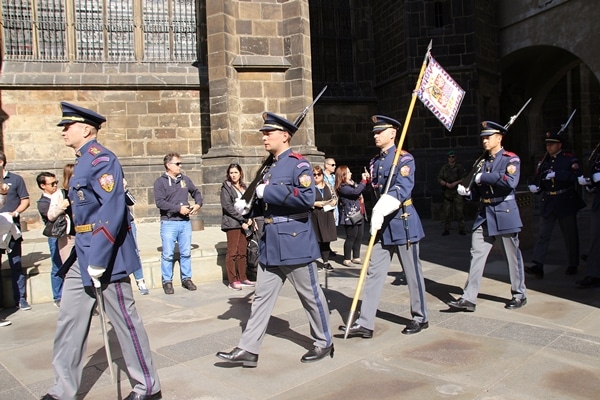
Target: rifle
x,y
250,194
538,175
478,164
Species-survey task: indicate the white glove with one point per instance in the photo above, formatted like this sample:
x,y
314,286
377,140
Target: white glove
x,y
95,273
583,181
550,175
596,177
376,222
241,206
385,206
463,191
478,178
260,190
533,188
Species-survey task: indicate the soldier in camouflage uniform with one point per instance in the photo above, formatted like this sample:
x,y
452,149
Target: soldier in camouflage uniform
x,y
451,174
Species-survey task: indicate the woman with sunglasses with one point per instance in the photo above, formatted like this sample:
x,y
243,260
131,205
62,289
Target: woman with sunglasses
x,y
322,217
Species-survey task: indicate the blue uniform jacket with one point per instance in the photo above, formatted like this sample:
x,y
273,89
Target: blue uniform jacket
x,y
559,194
97,197
496,194
393,231
288,236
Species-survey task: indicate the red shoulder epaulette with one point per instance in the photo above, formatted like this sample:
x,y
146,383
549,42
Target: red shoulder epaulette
x,y
403,152
569,154
509,154
297,156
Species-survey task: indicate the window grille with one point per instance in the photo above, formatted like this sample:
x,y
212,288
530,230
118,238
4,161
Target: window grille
x,y
100,30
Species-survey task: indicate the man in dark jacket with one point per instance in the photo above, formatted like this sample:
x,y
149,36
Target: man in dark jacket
x,y
171,191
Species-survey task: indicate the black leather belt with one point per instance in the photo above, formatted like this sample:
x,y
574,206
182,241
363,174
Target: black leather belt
x,y
561,191
498,199
279,220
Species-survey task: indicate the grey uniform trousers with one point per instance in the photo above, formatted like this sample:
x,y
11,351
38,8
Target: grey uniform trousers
x,y
381,258
570,233
70,340
481,245
269,282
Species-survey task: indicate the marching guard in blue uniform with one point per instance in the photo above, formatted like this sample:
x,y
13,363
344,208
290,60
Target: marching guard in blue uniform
x,y
399,230
288,247
497,218
592,185
557,175
106,251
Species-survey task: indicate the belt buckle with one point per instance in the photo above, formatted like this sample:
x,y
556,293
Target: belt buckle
x,y
487,201
268,220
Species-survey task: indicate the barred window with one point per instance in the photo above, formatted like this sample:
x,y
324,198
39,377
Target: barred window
x,y
100,30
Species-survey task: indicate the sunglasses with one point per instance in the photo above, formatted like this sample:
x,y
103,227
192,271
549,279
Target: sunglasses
x,y
317,174
55,183
331,165
176,163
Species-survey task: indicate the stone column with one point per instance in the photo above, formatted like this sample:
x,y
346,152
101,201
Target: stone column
x,y
259,59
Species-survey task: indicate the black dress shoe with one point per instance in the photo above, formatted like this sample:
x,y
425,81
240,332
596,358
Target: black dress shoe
x,y
357,331
462,304
415,327
328,267
48,396
237,355
536,270
571,271
138,396
317,353
515,303
588,282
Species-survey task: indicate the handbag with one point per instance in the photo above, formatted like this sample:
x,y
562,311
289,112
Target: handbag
x,y
355,218
56,228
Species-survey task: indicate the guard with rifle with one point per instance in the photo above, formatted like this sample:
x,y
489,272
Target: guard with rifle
x,y
106,255
497,216
591,182
556,182
398,228
288,247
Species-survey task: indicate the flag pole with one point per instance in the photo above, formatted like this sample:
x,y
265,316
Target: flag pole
x,y
365,266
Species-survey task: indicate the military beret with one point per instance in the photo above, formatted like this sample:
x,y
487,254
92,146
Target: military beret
x,y
451,153
72,113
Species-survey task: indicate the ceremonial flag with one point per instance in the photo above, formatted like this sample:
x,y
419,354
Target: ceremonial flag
x,y
440,93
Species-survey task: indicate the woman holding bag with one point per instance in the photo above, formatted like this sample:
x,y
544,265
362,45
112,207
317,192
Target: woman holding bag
x,y
352,211
59,204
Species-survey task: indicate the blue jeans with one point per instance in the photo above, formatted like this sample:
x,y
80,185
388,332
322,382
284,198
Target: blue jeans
x,y
56,281
17,274
170,233
138,274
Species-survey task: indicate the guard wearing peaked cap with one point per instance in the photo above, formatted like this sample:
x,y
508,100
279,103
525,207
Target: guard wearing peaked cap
x,y
497,218
273,122
106,254
556,179
398,227
72,113
381,123
489,128
288,248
